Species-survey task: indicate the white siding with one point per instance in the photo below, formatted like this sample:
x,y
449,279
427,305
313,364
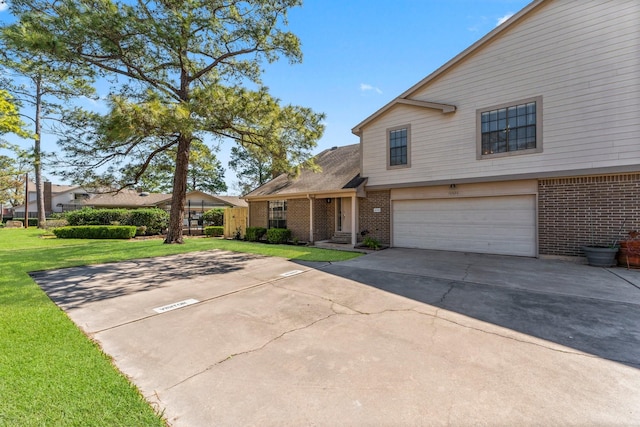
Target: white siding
x,y
581,56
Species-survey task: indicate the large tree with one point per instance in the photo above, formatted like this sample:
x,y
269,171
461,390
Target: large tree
x,y
252,168
43,85
184,65
205,172
10,121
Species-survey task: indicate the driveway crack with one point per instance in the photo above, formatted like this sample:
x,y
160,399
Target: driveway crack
x,y
253,350
444,296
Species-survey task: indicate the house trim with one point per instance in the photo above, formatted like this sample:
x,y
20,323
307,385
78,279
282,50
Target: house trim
x,y
534,175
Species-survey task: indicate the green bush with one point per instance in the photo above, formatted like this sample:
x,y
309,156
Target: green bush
x,y
96,232
33,222
371,243
89,216
155,220
254,234
278,235
214,217
214,231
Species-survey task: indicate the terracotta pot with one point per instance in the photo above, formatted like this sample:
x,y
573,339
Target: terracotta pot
x,y
630,244
629,258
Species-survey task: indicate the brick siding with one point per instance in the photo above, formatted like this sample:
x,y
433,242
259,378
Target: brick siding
x,y
324,221
586,210
259,214
298,218
378,224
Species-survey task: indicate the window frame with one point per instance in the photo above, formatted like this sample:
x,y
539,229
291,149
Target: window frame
x,y
537,149
396,128
271,211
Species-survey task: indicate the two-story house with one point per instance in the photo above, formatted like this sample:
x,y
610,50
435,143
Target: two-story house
x,y
526,143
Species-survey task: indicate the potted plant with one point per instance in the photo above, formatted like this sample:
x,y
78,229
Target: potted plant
x,y
629,254
601,256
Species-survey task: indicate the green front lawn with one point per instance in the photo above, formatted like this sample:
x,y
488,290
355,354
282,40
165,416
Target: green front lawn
x,y
50,373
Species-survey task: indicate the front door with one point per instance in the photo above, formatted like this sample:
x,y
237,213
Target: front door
x,y
344,214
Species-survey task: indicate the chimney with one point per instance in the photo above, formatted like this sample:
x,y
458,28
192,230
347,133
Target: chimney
x,y
48,198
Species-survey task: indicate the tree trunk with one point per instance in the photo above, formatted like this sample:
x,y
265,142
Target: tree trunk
x,y
176,215
37,158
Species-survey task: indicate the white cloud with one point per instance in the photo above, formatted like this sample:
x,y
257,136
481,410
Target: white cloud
x,y
504,18
3,5
364,87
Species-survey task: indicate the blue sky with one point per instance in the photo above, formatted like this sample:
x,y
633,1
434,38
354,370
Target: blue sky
x,y
360,54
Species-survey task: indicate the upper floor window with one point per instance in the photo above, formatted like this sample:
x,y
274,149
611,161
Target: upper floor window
x,y
277,214
514,128
398,147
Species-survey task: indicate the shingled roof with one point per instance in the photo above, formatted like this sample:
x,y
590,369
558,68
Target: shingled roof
x,y
340,170
126,199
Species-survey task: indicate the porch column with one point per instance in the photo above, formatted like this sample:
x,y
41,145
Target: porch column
x,y
311,200
354,225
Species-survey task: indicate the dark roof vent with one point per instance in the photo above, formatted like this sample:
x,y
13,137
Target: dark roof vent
x,y
334,148
144,194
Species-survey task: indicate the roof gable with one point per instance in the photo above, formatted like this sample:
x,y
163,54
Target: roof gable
x,y
404,98
340,171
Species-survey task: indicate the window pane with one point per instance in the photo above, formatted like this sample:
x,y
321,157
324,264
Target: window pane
x,y
502,114
502,124
398,147
531,108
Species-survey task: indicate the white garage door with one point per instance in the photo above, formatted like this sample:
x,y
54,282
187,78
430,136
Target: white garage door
x,y
495,225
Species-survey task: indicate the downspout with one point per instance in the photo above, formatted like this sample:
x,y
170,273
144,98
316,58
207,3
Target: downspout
x,y
311,200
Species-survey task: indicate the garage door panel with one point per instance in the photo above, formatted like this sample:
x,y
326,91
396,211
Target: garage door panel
x,y
500,225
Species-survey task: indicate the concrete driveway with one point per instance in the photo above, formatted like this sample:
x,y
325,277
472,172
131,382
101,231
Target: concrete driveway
x,y
397,337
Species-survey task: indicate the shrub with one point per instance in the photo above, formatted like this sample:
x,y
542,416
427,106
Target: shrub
x,y
254,234
371,243
278,235
214,217
89,216
95,232
214,231
33,222
154,219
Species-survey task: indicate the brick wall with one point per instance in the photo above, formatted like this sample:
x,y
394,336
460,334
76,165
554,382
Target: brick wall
x,y
377,223
586,210
324,221
298,218
259,214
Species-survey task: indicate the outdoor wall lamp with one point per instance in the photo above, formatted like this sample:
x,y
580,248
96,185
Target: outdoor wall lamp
x,y
328,200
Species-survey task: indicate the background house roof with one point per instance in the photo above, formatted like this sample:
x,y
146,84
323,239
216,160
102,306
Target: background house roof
x,y
340,170
126,198
233,200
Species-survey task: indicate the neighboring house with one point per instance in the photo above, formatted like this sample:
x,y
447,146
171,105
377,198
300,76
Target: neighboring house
x,y
526,143
198,202
57,198
315,206
62,198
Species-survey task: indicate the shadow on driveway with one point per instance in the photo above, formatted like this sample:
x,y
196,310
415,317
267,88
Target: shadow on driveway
x,y
607,328
73,287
